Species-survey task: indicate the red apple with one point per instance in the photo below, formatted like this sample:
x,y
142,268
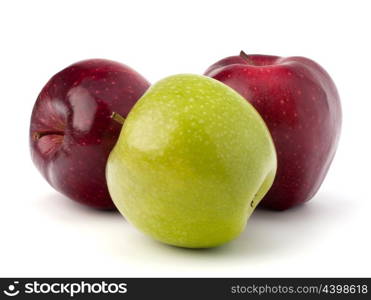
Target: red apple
x,y
72,132
301,107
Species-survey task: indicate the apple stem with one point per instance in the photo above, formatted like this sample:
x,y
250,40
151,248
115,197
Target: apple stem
x,y
118,118
39,134
246,57
36,136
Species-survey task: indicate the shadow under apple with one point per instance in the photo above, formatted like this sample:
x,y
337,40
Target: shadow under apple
x,y
267,233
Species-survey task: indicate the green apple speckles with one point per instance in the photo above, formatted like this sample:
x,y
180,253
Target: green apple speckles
x,y
192,161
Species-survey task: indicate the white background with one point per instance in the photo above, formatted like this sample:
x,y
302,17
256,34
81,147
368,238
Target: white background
x,y
44,234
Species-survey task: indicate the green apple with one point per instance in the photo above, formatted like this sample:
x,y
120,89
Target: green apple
x,y
192,162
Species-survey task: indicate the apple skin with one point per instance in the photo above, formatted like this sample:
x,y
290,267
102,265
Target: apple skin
x,y
300,104
72,133
192,162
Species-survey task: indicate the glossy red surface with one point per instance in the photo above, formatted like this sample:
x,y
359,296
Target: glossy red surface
x,y
72,132
300,104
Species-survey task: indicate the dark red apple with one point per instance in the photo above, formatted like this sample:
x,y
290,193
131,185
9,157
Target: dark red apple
x,y
301,107
72,132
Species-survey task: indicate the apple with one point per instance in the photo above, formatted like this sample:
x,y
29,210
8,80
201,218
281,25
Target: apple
x,y
192,162
72,133
300,104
